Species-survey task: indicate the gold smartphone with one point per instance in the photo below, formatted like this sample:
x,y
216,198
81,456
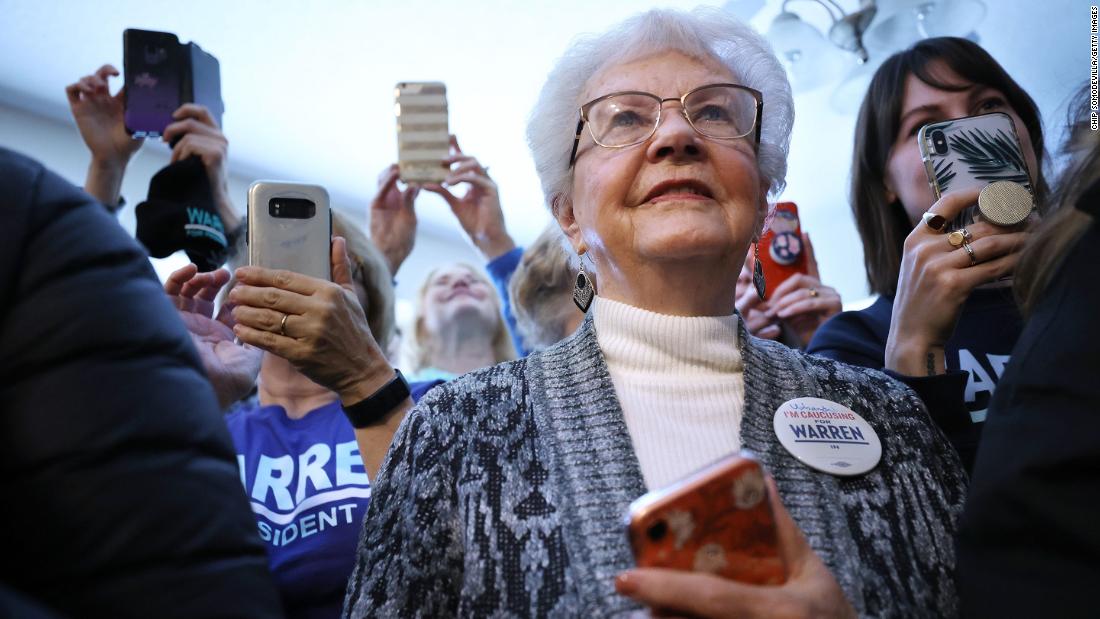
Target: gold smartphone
x,y
423,137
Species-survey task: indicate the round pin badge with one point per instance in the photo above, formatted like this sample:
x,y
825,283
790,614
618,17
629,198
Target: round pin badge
x,y
827,437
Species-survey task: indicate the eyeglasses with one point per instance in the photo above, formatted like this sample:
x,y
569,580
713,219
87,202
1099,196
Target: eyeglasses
x,y
718,111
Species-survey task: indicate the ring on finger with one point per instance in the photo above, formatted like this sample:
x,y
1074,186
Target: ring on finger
x,y
813,292
970,252
958,237
282,325
933,221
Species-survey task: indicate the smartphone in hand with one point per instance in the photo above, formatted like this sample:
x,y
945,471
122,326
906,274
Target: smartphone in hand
x,y
161,74
290,227
717,520
972,152
781,252
423,137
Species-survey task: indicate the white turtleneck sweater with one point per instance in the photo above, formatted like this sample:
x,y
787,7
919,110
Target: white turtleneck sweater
x,y
680,383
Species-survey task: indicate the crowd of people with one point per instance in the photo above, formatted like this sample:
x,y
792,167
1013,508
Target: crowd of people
x,y
481,462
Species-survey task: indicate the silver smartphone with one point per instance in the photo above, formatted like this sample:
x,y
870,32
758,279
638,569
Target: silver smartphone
x,y
289,227
423,137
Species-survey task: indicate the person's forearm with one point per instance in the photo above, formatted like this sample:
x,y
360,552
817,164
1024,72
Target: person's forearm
x,y
230,218
913,357
374,440
104,181
495,246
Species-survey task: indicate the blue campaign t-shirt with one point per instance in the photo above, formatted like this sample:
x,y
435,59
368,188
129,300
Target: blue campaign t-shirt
x,y
309,491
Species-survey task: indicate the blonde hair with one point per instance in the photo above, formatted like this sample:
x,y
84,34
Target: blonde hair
x,y
419,350
541,291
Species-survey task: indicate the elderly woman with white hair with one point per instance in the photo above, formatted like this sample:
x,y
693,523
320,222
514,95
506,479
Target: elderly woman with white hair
x,y
504,491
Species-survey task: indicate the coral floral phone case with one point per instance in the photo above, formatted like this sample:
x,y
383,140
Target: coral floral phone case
x,y
717,520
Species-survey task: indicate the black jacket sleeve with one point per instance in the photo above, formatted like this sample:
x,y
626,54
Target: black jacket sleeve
x,y
121,492
1028,542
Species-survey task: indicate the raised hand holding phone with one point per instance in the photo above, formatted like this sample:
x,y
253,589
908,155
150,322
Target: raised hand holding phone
x,y
393,218
478,210
99,117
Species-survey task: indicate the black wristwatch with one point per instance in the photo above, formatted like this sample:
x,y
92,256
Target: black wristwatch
x,y
375,407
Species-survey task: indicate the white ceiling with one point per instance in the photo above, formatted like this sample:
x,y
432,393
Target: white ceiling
x,y
308,86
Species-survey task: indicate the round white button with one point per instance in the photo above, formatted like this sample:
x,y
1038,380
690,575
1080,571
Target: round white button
x,y
826,436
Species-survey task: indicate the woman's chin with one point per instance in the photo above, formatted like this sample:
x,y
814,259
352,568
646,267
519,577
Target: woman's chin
x,y
672,242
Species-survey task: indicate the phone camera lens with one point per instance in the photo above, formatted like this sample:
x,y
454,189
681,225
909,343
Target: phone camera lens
x,y
657,531
939,142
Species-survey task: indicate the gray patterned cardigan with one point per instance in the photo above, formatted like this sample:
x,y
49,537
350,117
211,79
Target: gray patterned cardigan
x,y
504,492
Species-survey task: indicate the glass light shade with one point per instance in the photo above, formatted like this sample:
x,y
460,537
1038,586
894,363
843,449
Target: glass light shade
x,y
896,26
952,18
848,95
810,60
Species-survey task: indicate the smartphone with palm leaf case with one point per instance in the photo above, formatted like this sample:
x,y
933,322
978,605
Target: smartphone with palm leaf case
x,y
971,152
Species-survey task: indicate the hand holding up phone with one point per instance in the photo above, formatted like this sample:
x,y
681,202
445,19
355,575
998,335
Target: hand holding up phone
x,y
99,116
195,133
810,590
936,278
478,210
317,325
393,218
802,301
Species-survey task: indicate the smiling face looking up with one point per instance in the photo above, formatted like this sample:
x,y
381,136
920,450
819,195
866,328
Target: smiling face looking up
x,y
679,209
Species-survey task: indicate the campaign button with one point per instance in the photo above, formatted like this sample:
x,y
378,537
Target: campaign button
x,y
827,437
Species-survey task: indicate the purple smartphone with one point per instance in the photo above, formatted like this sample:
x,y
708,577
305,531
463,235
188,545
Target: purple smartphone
x,y
163,74
154,80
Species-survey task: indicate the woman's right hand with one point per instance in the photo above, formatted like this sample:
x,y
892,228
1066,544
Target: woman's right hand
x,y
811,589
100,116
935,280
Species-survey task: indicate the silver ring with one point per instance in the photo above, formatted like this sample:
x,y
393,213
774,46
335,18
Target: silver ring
x,y
970,252
282,323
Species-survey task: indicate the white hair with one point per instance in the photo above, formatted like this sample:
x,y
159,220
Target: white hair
x,y
705,33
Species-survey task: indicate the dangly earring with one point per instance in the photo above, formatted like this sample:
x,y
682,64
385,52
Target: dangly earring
x,y
583,289
758,272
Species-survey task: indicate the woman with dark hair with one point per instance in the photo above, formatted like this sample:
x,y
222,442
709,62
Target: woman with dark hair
x,y
936,311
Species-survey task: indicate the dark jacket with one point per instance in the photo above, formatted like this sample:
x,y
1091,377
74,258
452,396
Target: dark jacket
x,y
1029,543
975,356
121,493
